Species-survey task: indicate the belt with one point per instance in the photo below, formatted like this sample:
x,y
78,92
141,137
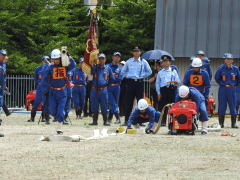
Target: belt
x,y
169,86
114,85
61,88
79,85
228,85
135,80
99,88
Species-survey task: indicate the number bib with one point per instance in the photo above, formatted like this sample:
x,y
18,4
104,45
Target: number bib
x,y
59,73
196,80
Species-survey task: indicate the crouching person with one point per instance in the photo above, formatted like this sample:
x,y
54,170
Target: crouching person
x,y
185,93
144,113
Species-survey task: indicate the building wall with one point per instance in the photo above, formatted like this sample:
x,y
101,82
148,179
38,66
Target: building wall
x,y
184,26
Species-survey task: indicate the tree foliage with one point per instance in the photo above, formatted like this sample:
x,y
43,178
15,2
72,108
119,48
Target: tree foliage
x,y
32,28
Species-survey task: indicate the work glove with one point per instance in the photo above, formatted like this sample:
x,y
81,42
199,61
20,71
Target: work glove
x,y
148,131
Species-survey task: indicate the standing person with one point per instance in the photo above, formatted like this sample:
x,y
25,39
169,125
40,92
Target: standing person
x,y
99,95
238,98
152,81
38,75
79,79
67,108
56,78
193,94
87,107
198,78
206,63
114,87
122,98
135,70
4,107
166,85
3,56
228,77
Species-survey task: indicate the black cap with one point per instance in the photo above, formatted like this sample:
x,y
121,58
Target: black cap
x,y
166,58
136,49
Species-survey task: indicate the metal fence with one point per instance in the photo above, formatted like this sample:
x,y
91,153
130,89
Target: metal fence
x,y
19,86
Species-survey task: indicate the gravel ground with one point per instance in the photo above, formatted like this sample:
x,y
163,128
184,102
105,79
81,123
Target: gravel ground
x,y
23,156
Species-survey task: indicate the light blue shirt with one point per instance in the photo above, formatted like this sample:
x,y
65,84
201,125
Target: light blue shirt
x,y
164,76
136,69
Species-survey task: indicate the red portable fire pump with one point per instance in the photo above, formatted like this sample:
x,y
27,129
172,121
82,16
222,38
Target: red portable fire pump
x,y
182,118
30,99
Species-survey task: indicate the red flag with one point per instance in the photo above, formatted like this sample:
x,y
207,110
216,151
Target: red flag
x,y
91,52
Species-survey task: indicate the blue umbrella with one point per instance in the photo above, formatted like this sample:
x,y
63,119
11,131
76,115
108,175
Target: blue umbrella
x,y
156,55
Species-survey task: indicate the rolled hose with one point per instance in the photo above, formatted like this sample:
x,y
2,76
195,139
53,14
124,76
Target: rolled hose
x,y
160,118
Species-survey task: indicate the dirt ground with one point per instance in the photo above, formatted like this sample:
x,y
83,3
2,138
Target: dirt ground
x,y
23,156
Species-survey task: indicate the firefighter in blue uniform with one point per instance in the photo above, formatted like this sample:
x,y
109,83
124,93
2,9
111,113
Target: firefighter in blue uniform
x,y
3,56
206,63
114,87
193,94
56,78
238,98
228,77
198,78
69,97
79,79
143,113
38,75
99,95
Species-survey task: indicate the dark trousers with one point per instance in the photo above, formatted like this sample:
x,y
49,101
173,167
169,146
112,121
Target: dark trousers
x,y
154,97
168,95
133,90
122,98
87,106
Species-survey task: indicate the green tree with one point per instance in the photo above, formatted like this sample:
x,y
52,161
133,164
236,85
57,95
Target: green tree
x,y
130,23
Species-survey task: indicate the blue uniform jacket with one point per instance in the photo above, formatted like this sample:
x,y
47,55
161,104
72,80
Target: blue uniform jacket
x,y
101,76
2,78
206,66
78,77
199,80
227,76
116,69
56,76
148,114
39,73
195,96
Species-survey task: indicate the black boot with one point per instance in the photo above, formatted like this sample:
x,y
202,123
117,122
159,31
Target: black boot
x,y
118,121
65,121
95,119
105,120
33,114
77,113
233,119
43,117
80,113
6,111
221,121
47,118
110,117
1,135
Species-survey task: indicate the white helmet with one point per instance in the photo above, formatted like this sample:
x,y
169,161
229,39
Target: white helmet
x,y
196,62
183,91
142,104
56,53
